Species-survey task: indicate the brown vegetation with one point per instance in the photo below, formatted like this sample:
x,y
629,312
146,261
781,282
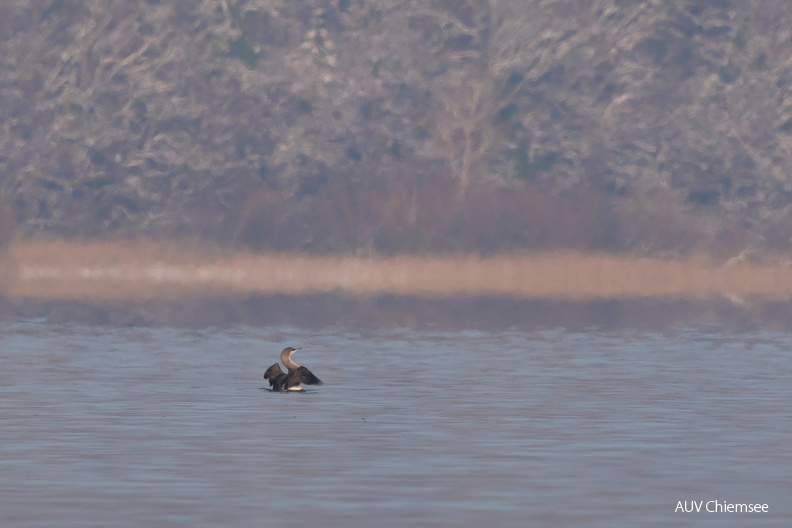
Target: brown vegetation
x,y
113,271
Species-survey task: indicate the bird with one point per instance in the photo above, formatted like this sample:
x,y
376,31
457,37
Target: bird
x,y
293,380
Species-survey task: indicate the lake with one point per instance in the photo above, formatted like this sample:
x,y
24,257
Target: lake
x,y
104,426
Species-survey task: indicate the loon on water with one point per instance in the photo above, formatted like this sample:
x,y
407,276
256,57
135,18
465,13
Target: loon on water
x,y
294,379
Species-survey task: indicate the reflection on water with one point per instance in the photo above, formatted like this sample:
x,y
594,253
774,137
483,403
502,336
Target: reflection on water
x,y
135,427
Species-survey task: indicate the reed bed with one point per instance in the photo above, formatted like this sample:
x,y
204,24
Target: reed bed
x,y
113,271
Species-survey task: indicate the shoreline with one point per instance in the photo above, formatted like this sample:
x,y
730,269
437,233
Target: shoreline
x,y
111,271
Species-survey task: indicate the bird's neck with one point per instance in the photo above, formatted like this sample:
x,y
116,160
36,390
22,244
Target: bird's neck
x,y
288,363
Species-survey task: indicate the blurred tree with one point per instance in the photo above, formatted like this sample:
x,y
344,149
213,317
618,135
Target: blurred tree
x,y
171,118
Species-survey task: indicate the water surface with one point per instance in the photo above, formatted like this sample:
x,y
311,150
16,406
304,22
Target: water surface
x,y
163,427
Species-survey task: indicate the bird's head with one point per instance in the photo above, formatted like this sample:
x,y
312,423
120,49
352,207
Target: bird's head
x,y
288,351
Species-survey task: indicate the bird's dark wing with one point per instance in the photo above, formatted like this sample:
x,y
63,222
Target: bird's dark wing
x,y
304,376
280,383
273,374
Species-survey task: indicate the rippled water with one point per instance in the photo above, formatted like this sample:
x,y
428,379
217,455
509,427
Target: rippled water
x,y
152,427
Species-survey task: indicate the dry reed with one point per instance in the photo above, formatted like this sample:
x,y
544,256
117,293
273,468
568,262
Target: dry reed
x,y
148,270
